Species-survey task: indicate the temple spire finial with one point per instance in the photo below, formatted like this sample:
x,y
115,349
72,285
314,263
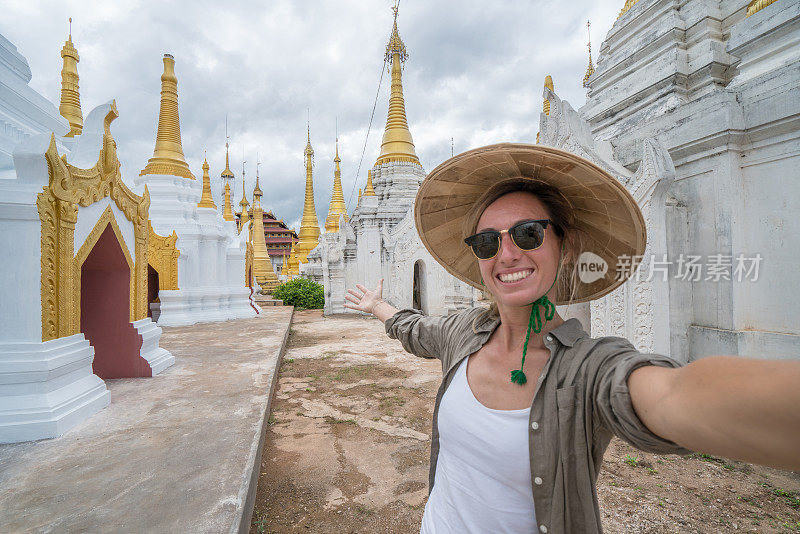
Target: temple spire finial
x,y
244,204
70,107
337,206
168,155
369,191
207,200
590,68
309,226
397,144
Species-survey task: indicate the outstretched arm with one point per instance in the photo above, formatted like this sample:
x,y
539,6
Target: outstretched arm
x,y
369,301
735,407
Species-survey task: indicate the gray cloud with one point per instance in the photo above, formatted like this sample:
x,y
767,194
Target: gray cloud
x,y
475,74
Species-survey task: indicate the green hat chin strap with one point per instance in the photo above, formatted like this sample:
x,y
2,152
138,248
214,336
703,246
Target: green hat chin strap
x,y
535,323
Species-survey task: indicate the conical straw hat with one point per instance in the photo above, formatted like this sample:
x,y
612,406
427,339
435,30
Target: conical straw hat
x,y
453,196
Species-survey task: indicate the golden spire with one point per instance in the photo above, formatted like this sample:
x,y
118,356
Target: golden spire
x,y
227,212
628,4
243,204
70,107
168,154
359,195
755,6
337,206
397,143
369,191
309,227
293,263
262,266
590,68
206,201
548,83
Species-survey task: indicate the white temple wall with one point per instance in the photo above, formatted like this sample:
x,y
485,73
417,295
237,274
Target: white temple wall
x,y
20,264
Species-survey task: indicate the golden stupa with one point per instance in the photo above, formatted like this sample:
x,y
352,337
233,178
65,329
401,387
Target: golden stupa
x,y
227,179
244,205
397,143
206,201
337,207
309,227
263,271
168,154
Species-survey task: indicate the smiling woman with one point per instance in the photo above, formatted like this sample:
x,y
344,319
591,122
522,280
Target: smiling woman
x,y
523,454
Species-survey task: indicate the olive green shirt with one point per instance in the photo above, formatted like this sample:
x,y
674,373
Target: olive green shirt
x,y
581,400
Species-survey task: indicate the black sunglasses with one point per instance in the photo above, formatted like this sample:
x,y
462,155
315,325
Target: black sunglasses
x,y
526,235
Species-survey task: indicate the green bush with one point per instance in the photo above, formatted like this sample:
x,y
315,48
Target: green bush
x,y
301,293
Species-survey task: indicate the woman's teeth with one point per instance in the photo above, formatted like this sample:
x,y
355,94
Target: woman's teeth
x,y
513,277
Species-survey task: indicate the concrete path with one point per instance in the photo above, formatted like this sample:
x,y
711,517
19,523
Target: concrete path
x,y
174,453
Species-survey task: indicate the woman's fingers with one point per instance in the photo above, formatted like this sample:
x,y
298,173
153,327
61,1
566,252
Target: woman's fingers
x,y
362,288
357,295
352,299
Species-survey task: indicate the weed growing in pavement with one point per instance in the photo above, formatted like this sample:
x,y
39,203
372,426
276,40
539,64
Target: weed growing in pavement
x,y
363,510
259,521
271,420
333,420
329,354
632,461
352,372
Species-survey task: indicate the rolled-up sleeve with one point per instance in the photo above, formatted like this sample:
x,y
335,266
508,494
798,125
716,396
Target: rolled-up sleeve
x,y
420,334
616,360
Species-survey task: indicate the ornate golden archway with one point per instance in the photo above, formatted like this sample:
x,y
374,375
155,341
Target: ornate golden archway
x,y
69,187
163,255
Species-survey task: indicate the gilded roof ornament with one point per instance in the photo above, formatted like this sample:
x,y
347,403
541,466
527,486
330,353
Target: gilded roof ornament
x,y
206,201
369,191
70,107
548,83
590,68
628,5
757,5
243,204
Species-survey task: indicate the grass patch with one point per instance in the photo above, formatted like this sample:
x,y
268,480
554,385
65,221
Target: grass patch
x,y
329,354
352,373
632,461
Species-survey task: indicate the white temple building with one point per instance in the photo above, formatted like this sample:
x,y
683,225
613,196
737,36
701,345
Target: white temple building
x,y
695,108
74,268
380,239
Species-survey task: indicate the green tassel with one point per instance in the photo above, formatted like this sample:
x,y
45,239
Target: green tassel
x,y
518,376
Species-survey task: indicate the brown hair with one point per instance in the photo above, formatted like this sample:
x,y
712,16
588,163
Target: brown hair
x,y
562,215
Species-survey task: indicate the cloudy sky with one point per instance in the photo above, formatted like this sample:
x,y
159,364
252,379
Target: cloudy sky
x,y
474,74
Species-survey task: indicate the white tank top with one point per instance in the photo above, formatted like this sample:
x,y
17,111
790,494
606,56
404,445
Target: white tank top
x,y
483,475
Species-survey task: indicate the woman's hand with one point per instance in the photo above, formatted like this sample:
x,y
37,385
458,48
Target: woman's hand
x,y
364,299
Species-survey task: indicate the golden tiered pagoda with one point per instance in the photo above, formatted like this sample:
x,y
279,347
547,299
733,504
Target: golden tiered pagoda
x,y
309,227
262,266
397,143
70,107
168,155
206,201
337,207
292,264
369,191
227,179
243,204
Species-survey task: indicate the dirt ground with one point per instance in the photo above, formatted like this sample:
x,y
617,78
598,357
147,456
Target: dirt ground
x,y
347,450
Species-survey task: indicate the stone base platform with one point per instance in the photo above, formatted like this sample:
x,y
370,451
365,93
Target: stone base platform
x,y
178,452
267,300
